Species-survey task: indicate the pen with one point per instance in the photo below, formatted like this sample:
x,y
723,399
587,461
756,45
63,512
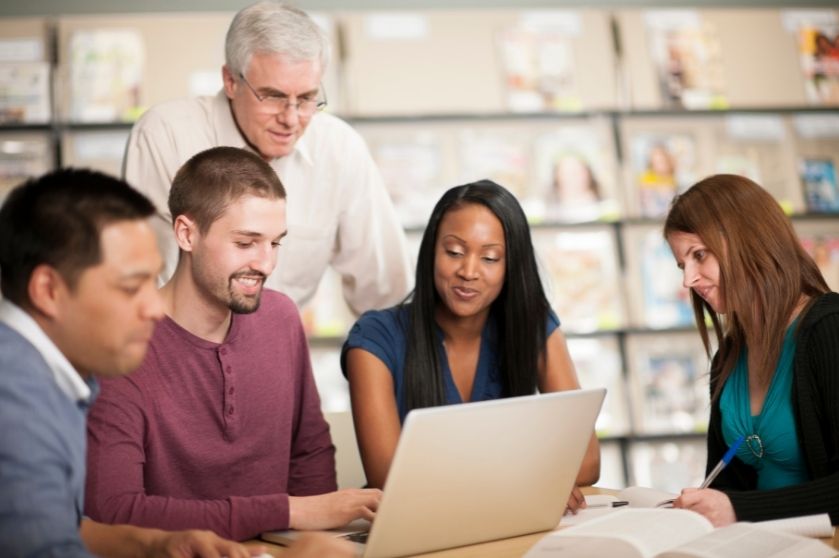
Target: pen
x,y
615,504
726,459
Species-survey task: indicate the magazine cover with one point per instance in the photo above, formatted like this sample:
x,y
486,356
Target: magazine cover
x,y
575,176
818,178
821,241
687,56
25,92
598,364
502,155
537,61
668,465
658,298
663,165
819,55
23,156
411,164
668,379
579,269
106,75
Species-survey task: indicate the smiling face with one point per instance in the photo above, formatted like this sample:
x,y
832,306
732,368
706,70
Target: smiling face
x,y
103,325
469,261
232,259
700,267
270,132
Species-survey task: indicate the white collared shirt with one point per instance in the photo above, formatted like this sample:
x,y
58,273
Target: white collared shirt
x,y
339,212
65,375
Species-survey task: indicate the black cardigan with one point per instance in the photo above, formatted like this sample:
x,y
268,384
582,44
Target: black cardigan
x,y
815,399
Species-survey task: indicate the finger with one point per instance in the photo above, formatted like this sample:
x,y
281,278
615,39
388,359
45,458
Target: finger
x,y
201,546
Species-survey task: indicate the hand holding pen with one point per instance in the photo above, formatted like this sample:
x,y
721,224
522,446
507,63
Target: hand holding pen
x,y
726,459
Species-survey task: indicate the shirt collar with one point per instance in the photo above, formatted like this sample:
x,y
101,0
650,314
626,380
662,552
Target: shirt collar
x,y
229,134
65,375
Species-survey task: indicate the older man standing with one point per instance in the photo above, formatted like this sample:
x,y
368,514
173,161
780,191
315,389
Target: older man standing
x,y
340,212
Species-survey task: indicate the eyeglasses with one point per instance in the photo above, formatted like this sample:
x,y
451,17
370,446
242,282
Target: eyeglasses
x,y
305,106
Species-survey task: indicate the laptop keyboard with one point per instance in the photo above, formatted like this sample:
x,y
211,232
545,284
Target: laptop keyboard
x,y
358,537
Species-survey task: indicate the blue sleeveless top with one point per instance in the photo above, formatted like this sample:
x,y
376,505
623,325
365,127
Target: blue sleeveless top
x,y
382,333
771,444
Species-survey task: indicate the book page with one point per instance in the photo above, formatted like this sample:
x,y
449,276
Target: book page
x,y
642,529
643,497
742,539
815,526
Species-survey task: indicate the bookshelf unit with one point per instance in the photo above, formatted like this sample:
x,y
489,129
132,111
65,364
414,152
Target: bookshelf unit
x,y
476,102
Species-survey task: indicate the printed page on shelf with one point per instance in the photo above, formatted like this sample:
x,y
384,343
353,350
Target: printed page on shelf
x,y
580,272
23,155
672,533
660,301
668,382
574,174
760,147
598,363
820,238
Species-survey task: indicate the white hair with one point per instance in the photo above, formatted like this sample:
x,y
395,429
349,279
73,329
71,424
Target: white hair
x,y
271,27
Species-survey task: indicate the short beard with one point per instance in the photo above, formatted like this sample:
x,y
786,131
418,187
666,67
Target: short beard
x,y
242,304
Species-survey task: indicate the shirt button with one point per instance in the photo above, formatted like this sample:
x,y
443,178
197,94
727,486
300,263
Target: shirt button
x,y
223,351
231,390
228,369
230,411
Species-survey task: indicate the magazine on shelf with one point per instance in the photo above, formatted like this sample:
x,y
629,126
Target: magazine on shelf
x,y
575,177
818,43
597,361
536,58
579,269
23,155
499,153
411,162
25,93
657,298
687,55
759,147
663,165
820,238
668,382
106,74
102,150
821,190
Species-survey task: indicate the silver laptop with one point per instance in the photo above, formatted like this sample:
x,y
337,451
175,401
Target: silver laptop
x,y
464,474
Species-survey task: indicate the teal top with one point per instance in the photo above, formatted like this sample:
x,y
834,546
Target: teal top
x,y
771,444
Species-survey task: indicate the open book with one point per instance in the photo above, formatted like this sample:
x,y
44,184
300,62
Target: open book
x,y
672,533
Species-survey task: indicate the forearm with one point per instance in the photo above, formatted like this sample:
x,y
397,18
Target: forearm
x,y
814,497
118,541
590,468
237,518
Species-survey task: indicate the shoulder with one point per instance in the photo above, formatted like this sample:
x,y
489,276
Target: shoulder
x,y
383,323
381,333
822,317
329,134
169,114
553,322
28,387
